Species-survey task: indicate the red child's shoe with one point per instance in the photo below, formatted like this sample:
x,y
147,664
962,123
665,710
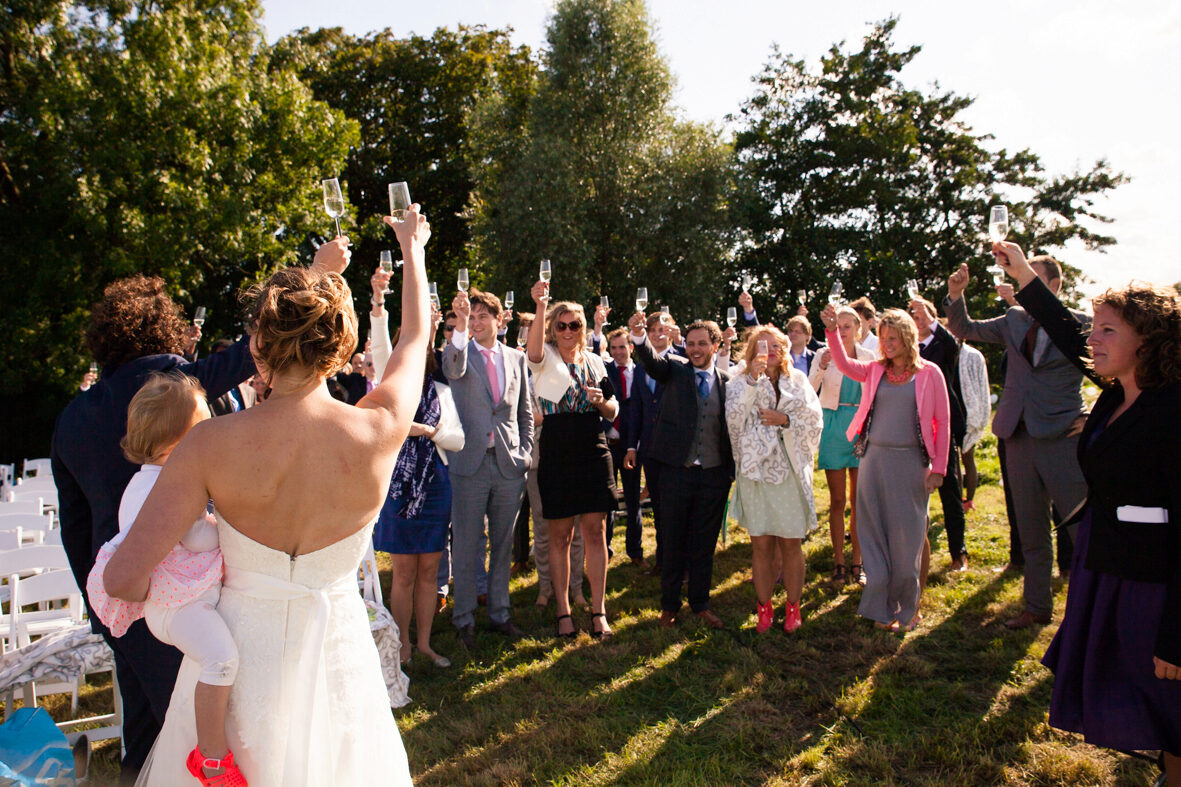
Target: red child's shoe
x,y
230,776
766,617
793,620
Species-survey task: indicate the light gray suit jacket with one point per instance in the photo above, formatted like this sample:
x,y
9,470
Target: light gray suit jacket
x,y
509,421
1046,396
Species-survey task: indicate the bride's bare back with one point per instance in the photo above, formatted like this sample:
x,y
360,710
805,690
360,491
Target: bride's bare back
x,y
302,470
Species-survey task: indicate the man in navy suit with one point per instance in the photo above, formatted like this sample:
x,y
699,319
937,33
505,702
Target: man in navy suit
x,y
799,333
622,371
640,412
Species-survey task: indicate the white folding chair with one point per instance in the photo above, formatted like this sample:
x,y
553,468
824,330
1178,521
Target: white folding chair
x,y
7,476
45,590
21,507
52,537
33,527
11,539
37,467
26,561
46,498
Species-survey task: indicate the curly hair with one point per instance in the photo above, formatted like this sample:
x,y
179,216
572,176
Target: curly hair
x,y
709,326
1154,313
135,318
903,324
303,318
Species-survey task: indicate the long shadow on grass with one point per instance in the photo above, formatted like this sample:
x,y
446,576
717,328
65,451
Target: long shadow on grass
x,y
930,702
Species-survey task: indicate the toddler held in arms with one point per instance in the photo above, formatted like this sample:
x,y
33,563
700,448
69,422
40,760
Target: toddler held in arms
x,y
181,606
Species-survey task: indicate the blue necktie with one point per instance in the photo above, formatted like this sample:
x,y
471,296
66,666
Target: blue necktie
x,y
703,384
651,385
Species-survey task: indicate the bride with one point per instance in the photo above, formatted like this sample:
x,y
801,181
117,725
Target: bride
x,y
297,484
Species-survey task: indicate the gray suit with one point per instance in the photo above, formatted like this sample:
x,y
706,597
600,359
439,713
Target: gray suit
x,y
1040,402
487,481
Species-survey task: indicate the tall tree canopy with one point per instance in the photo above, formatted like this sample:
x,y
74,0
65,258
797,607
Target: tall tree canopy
x,y
598,175
413,99
145,136
847,174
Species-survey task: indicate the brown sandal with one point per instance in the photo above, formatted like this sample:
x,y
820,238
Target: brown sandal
x,y
838,574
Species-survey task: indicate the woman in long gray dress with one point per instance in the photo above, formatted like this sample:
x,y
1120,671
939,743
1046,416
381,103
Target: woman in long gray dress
x,y
902,432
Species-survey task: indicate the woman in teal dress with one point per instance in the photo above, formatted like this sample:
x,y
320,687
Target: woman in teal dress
x,y
839,398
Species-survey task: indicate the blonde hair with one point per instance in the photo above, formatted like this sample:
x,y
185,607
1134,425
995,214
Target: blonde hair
x,y
160,414
908,333
555,312
750,343
304,318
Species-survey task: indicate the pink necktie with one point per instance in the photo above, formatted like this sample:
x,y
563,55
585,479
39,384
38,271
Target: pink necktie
x,y
490,367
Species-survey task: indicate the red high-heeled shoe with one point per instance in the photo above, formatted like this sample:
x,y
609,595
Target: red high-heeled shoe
x,y
229,777
792,618
766,617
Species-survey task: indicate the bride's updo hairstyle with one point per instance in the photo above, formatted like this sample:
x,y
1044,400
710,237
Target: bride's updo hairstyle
x,y
304,318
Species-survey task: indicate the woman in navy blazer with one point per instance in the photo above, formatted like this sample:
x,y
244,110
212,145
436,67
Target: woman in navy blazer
x,y
1117,655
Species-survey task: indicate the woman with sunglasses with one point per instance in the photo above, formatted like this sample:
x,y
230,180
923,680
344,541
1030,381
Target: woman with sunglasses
x,y
1116,657
574,471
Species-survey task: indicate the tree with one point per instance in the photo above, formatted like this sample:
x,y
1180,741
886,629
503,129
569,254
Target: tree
x,y
145,137
600,177
412,99
847,174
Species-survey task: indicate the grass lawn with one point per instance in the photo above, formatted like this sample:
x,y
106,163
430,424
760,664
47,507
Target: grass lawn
x,y
959,701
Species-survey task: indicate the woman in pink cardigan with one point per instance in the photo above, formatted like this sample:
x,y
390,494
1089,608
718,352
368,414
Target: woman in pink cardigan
x,y
901,433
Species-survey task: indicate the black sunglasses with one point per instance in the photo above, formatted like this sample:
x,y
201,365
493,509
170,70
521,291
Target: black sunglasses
x,y
568,326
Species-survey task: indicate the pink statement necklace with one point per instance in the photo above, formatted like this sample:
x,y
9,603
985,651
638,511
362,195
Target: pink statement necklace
x,y
897,378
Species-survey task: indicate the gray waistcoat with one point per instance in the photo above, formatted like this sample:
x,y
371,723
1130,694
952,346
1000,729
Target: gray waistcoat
x,y
707,441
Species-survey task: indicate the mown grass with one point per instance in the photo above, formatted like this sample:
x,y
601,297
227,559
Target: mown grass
x,y
959,701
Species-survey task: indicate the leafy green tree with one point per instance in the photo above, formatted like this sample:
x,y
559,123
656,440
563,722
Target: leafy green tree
x,y
412,99
600,177
142,137
849,175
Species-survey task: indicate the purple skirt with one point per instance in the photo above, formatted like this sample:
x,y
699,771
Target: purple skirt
x,y
1101,657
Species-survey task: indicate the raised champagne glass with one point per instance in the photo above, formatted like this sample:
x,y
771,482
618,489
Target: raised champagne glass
x,y
732,316
545,271
912,289
399,200
509,299
641,299
333,201
998,223
998,277
834,294
461,280
199,316
387,265
433,289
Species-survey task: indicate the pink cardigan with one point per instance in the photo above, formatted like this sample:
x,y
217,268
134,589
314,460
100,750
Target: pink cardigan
x,y
930,395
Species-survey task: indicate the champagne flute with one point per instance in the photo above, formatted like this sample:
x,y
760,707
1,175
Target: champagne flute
x,y
387,265
434,295
399,200
641,299
664,311
94,368
546,270
998,223
199,316
912,289
731,316
761,350
746,282
605,302
998,277
834,294
333,201
522,337
461,280
802,295
509,299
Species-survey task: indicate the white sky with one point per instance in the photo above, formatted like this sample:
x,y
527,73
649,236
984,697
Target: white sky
x,y
1073,80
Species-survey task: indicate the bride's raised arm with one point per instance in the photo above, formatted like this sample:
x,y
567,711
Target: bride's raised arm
x,y
401,386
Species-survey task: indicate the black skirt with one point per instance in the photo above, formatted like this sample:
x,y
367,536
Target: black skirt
x,y
574,473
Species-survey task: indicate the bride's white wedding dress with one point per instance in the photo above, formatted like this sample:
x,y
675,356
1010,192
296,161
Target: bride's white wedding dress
x,y
309,705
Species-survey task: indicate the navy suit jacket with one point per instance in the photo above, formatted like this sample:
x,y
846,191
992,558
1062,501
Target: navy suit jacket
x,y
643,404
88,464
615,375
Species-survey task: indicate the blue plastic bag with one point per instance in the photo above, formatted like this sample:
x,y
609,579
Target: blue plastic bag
x,y
34,751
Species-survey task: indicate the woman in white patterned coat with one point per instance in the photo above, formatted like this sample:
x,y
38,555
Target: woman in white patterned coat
x,y
774,419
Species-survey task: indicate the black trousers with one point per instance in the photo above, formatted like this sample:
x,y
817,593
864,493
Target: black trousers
x,y
693,501
630,480
147,672
951,496
521,533
652,480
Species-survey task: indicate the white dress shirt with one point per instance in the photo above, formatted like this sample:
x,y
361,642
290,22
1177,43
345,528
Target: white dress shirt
x,y
460,341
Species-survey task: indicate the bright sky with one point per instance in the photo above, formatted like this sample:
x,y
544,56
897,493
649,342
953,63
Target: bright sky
x,y
1073,81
